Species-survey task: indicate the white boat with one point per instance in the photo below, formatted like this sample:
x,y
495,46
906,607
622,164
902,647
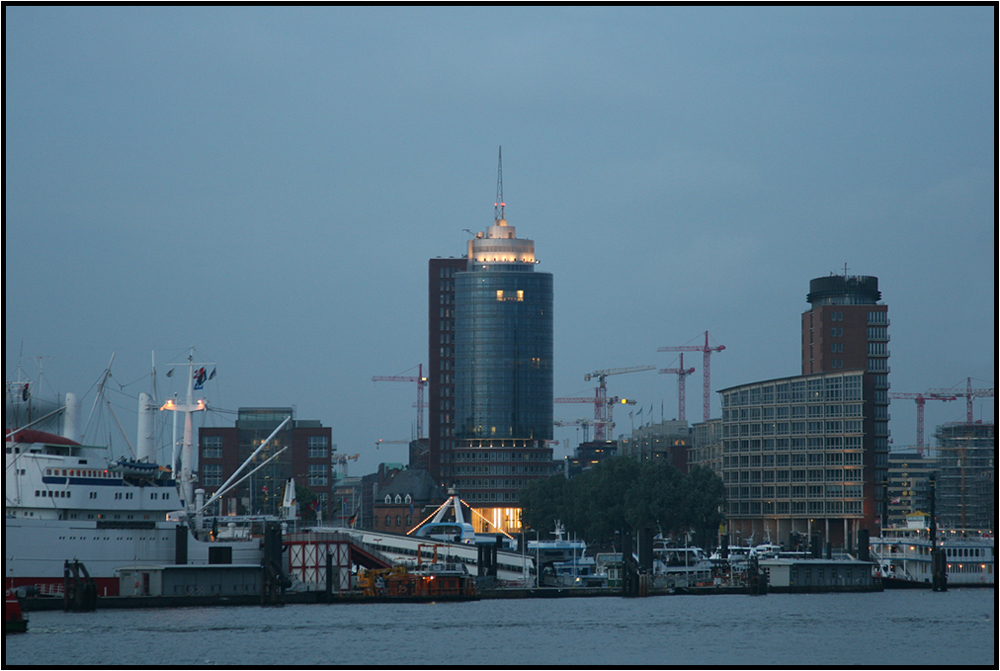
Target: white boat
x,y
564,562
68,501
902,557
680,566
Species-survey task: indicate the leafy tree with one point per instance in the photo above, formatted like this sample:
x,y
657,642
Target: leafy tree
x,y
304,498
542,502
706,497
623,494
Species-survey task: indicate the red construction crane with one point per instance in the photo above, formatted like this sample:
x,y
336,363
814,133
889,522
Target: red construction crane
x,y
681,373
421,382
604,406
706,367
921,399
969,394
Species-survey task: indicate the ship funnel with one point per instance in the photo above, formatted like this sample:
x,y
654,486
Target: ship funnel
x,y
71,418
145,450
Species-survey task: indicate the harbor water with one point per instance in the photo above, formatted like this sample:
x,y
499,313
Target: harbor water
x,y
904,628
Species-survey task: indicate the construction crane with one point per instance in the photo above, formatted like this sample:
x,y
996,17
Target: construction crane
x,y
342,460
603,406
421,383
707,351
585,423
681,374
602,425
921,399
380,442
969,394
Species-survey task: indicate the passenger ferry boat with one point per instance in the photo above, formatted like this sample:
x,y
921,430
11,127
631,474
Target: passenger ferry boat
x,y
66,501
903,556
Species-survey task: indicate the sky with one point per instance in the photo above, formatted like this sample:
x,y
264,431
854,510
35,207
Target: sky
x,y
267,184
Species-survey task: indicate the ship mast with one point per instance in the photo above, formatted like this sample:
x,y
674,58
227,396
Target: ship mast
x,y
185,484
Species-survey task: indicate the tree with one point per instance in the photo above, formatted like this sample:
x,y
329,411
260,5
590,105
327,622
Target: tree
x,y
542,502
304,498
704,500
621,494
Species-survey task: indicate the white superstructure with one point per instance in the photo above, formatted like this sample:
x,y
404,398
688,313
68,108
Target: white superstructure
x,y
65,501
903,556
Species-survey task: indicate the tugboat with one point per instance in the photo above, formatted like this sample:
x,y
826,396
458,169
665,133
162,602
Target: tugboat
x,y
14,621
435,580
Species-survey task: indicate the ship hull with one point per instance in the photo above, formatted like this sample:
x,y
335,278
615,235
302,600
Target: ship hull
x,y
35,551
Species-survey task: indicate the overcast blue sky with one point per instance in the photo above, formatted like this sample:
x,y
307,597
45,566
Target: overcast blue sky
x,y
267,185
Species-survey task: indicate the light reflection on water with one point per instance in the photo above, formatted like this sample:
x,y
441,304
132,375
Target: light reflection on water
x,y
895,628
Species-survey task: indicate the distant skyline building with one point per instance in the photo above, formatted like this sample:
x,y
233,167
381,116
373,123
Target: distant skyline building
x,y
491,353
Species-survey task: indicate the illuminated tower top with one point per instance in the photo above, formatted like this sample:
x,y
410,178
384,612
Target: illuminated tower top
x,y
499,248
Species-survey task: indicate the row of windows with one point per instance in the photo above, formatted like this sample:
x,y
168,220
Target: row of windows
x,y
878,317
497,483
793,475
318,475
68,494
791,428
510,497
832,388
794,411
317,450
211,475
793,459
965,552
755,508
878,333
784,444
795,492
503,456
80,473
501,470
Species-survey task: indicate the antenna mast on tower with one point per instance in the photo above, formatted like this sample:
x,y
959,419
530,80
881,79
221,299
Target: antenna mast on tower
x,y
499,204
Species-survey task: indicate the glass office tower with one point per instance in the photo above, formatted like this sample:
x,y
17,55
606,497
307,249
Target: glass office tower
x,y
503,368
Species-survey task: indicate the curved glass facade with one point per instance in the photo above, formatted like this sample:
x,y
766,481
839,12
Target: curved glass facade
x,y
503,353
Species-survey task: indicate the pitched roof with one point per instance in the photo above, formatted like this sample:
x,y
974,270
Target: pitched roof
x,y
417,483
